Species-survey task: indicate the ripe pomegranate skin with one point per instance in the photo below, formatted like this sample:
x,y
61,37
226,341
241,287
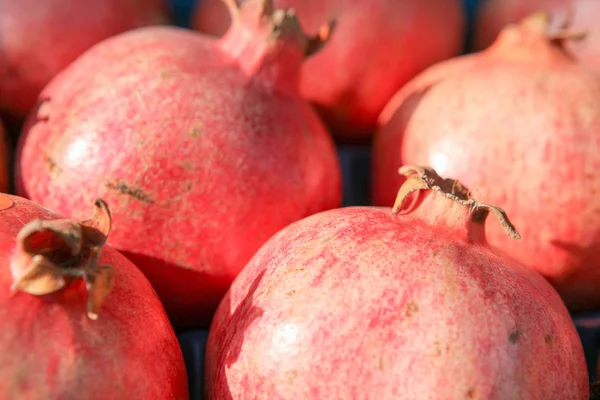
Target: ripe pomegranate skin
x,y
50,349
359,302
4,160
583,15
203,148
377,47
518,124
42,37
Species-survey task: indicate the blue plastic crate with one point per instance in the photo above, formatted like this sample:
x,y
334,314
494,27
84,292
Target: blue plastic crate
x,y
181,11
356,170
588,327
193,346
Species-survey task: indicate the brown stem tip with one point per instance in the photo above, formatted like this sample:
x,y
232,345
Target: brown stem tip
x,y
283,23
52,254
425,178
565,32
316,43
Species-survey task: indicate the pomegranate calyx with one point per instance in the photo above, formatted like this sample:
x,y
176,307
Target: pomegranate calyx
x,y
563,35
426,178
282,24
316,43
285,23
50,254
541,22
536,29
564,32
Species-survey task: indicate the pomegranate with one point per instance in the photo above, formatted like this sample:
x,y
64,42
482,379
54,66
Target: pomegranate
x,y
79,320
4,160
519,124
581,15
378,46
203,146
41,37
407,303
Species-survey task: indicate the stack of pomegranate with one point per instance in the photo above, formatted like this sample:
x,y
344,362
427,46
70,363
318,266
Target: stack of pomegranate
x,y
169,179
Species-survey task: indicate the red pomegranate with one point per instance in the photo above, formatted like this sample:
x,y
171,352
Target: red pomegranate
x,y
377,47
4,160
78,319
41,37
204,148
582,15
519,124
409,302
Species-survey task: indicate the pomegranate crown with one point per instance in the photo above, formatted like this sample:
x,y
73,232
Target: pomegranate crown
x,y
282,23
425,178
50,254
540,25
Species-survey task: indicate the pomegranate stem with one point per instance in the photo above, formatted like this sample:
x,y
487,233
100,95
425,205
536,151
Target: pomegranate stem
x,y
425,178
52,253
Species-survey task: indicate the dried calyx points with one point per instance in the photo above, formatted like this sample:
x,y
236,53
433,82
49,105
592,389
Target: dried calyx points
x,y
541,22
51,254
284,22
425,178
287,20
